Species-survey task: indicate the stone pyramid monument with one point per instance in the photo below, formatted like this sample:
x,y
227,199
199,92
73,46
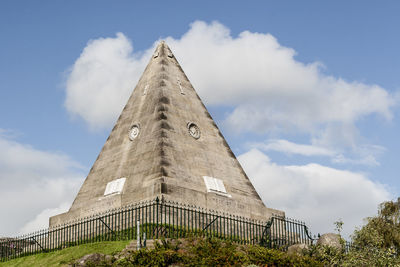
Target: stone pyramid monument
x,y
166,144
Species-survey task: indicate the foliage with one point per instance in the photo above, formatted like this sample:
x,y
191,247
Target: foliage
x,y
338,226
329,256
65,256
212,252
270,257
381,231
376,244
370,257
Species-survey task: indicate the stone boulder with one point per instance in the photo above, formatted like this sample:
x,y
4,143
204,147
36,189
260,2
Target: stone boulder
x,y
297,249
330,240
92,259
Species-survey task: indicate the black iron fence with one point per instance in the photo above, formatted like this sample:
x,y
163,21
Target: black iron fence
x,y
158,219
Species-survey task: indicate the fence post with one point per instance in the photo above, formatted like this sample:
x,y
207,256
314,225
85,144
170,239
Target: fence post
x,y
138,235
157,202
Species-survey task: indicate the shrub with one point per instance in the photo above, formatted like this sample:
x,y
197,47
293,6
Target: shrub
x,y
212,252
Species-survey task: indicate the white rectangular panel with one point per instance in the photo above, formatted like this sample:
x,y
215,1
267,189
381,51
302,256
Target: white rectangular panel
x,y
215,185
220,186
210,183
115,186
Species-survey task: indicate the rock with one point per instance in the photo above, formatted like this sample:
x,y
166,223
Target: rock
x,y
109,259
331,240
297,249
94,258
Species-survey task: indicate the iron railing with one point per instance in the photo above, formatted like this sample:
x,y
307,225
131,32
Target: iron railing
x,y
158,219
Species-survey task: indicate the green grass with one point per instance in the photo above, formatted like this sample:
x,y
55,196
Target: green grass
x,y
192,252
65,256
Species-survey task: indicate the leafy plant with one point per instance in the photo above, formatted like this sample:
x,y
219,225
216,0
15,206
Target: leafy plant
x,y
338,226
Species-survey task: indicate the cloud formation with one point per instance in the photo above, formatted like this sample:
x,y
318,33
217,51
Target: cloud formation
x,y
260,80
293,148
314,193
255,65
31,182
41,221
361,154
101,80
269,89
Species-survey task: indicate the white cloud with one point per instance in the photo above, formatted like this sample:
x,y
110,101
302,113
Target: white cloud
x,y
101,80
41,220
358,154
258,78
267,86
32,181
293,148
316,194
250,69
365,155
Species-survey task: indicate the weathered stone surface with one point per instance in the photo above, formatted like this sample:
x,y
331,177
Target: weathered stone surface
x,y
166,158
91,260
297,249
330,239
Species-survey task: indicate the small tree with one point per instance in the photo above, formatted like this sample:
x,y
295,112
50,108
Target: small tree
x,y
378,242
338,226
381,231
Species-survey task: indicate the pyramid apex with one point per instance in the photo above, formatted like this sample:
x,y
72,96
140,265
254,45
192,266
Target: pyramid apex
x,y
162,49
162,43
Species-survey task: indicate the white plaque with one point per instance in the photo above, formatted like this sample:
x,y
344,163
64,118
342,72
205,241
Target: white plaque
x,y
215,185
115,187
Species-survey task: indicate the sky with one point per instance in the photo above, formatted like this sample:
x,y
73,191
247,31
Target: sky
x,y
306,94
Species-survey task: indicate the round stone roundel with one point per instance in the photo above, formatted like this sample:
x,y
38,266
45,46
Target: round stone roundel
x,y
134,132
194,130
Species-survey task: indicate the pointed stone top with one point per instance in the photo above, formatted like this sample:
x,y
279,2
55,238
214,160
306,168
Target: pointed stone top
x,y
161,44
162,50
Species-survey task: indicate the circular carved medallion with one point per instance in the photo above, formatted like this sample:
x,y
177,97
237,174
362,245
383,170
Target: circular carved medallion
x,y
134,132
194,130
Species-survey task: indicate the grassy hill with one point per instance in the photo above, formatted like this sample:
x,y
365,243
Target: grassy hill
x,y
184,252
68,255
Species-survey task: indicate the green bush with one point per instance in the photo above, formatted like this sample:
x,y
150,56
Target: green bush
x,y
212,252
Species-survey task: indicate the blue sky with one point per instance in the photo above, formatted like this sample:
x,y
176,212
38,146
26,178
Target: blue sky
x,y
285,121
